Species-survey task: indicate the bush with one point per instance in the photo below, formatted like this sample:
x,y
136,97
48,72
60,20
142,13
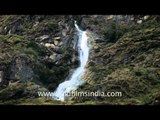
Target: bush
x,y
34,46
110,36
141,71
30,51
115,32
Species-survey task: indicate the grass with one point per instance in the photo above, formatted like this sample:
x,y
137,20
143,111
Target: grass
x,y
129,65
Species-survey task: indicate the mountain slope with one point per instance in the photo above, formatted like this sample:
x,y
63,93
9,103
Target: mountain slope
x,y
127,64
37,49
38,52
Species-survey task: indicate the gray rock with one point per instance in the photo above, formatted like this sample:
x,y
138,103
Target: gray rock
x,y
1,76
48,45
146,17
17,28
64,32
44,37
110,17
56,42
52,57
139,21
55,57
57,38
60,43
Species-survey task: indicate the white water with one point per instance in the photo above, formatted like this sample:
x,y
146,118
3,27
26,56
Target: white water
x,y
75,80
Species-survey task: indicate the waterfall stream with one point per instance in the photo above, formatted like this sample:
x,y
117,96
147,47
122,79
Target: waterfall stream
x,y
75,80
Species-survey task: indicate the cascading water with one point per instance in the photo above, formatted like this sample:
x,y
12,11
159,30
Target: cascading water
x,y
75,80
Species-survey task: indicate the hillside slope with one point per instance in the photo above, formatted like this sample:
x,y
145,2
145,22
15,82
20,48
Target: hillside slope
x,y
35,52
38,52
125,59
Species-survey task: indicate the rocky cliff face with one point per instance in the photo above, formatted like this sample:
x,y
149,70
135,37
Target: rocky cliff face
x,y
39,49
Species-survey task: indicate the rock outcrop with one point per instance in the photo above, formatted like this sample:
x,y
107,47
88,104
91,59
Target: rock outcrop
x,y
20,69
39,48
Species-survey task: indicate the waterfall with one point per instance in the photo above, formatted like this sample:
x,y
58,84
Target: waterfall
x,y
75,80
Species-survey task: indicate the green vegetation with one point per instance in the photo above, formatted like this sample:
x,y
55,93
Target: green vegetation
x,y
125,57
21,36
24,94
130,65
